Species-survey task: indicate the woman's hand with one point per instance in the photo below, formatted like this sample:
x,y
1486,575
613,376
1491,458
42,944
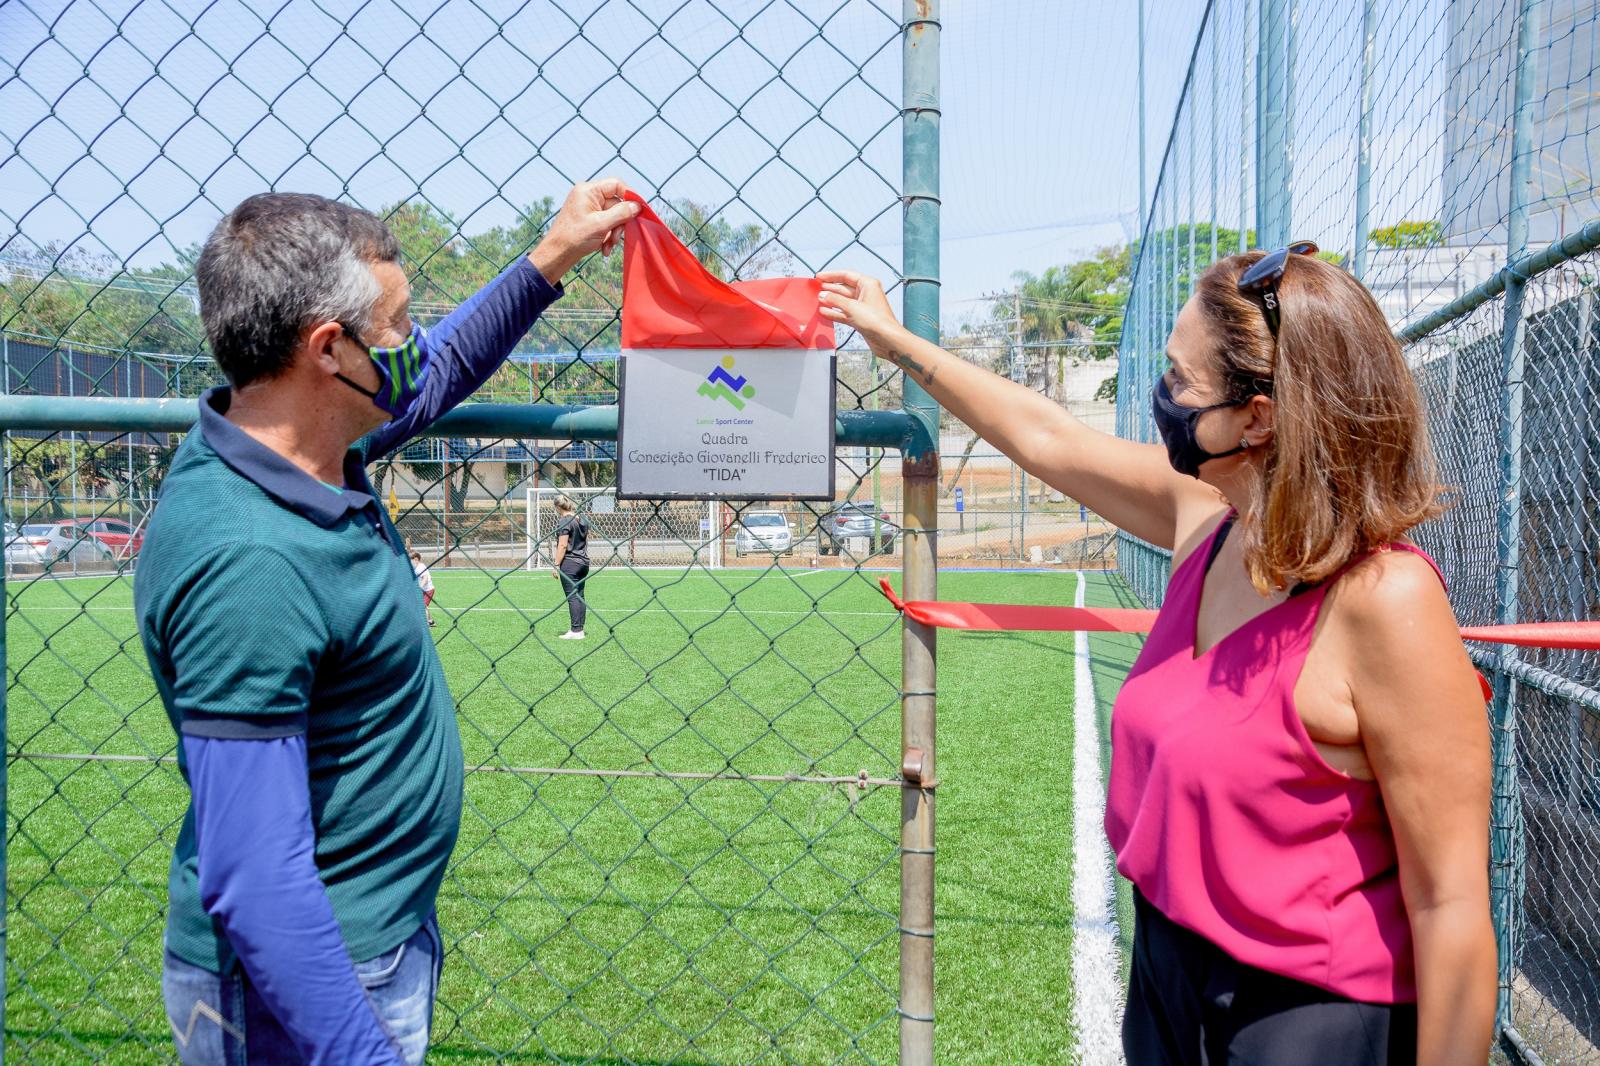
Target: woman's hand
x,y
858,301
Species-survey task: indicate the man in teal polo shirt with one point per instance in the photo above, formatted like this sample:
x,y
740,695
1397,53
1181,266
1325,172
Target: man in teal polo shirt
x,y
280,615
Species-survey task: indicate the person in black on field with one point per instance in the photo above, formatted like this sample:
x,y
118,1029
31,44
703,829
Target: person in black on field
x,y
572,562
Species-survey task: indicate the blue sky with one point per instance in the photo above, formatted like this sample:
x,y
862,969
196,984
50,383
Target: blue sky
x,y
480,106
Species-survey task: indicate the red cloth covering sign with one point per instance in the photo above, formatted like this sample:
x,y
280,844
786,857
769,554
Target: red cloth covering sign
x,y
727,388
670,300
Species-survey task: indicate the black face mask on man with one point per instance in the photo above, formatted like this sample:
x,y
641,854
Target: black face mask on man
x,y
1177,423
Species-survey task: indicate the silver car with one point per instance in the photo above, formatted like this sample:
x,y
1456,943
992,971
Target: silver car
x,y
764,531
18,550
56,547
850,521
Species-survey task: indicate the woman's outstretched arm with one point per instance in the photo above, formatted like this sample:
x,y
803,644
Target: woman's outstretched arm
x,y
1129,484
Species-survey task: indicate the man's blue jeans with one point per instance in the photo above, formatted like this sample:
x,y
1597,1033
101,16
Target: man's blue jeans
x,y
220,1020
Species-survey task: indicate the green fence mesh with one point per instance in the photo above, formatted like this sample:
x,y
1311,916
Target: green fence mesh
x,y
681,835
1425,146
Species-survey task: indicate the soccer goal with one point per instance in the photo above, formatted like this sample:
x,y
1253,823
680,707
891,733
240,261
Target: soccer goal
x,y
641,532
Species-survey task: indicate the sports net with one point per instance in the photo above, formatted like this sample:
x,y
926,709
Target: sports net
x,y
1425,145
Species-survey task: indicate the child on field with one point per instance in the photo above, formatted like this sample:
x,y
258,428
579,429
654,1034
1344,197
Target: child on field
x,y
424,582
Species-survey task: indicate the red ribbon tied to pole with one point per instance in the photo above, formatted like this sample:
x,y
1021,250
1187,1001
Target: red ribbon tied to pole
x,y
942,614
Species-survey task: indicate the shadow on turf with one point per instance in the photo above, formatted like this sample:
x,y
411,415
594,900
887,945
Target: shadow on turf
x,y
1013,638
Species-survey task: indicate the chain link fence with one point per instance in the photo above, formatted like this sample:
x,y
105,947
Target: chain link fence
x,y
682,838
1445,153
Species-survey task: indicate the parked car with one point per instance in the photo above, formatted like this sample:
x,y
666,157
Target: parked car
x,y
764,531
123,539
25,545
55,545
854,520
20,550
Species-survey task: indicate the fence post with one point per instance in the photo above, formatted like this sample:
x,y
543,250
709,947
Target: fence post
x,y
1369,29
1245,139
876,462
5,793
1274,84
1211,123
1142,192
1506,837
1194,211
920,471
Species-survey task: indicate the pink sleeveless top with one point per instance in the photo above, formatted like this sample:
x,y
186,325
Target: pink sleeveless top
x,y
1229,821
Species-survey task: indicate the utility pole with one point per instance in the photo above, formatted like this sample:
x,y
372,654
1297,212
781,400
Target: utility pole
x,y
1019,370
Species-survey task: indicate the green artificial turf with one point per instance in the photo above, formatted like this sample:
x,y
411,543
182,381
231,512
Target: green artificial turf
x,y
641,919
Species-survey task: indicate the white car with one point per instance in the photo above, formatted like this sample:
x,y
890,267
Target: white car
x,y
764,531
24,549
56,546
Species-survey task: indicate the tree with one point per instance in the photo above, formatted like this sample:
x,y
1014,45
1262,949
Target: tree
x,y
71,296
1409,234
1082,300
726,250
1175,258
1076,307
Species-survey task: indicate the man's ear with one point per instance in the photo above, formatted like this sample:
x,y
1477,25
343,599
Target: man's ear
x,y
318,344
1258,430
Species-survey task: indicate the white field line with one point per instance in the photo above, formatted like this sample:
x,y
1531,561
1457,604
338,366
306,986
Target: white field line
x,y
1096,983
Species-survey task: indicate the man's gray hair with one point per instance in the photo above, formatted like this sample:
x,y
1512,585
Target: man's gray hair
x,y
280,263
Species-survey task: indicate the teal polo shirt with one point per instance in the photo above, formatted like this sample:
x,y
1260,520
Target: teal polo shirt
x,y
272,604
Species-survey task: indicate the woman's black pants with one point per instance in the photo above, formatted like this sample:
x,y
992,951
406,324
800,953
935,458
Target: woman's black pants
x,y
573,574
1190,1004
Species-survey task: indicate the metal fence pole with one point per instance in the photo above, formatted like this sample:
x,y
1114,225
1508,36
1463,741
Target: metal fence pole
x,y
1273,87
1174,303
5,884
1194,212
1245,140
1369,28
876,462
920,471
1142,189
1022,515
1506,843
1211,124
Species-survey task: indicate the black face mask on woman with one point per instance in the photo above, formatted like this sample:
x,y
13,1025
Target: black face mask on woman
x,y
1176,424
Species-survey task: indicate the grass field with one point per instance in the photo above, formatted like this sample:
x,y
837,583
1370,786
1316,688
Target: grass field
x,y
607,919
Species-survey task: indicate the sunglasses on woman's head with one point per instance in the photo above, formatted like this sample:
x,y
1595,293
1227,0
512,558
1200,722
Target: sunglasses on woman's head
x,y
1261,280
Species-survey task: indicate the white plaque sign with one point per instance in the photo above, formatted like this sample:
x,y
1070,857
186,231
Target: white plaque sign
x,y
721,424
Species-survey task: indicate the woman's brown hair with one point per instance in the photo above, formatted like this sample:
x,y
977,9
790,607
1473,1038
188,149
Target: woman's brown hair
x,y
1349,467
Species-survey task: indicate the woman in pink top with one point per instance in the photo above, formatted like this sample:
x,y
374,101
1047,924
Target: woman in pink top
x,y
1300,757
